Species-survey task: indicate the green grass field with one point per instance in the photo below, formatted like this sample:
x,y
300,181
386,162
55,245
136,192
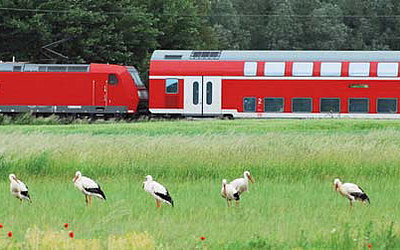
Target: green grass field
x,y
291,205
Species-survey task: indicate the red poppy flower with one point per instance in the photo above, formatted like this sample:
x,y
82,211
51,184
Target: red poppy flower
x,y
71,234
369,246
9,234
66,225
1,225
202,238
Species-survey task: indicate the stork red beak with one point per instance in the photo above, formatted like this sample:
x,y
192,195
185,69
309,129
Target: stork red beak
x,y
75,177
336,187
251,178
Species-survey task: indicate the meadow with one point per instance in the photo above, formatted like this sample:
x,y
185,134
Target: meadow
x,y
291,205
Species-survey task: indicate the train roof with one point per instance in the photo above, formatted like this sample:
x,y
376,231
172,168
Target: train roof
x,y
28,67
277,55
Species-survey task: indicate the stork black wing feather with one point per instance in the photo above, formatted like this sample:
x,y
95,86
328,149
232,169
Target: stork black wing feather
x,y
166,197
96,191
25,193
361,196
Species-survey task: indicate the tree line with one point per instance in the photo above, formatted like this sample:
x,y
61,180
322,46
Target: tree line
x,y
127,31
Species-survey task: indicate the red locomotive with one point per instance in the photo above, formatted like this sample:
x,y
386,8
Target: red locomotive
x,y
95,89
275,84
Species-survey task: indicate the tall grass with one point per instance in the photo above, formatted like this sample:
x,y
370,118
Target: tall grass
x,y
292,204
292,155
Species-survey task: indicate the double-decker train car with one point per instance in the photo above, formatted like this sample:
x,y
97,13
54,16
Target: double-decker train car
x,y
275,84
92,89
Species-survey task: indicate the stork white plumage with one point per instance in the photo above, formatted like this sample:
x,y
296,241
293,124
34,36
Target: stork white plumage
x,y
158,191
88,187
351,191
18,188
242,184
229,193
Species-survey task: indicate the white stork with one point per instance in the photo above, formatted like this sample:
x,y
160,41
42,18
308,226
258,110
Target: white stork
x,y
88,186
242,184
229,193
158,191
351,191
18,188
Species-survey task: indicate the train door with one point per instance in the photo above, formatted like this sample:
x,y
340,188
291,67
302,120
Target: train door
x,y
99,92
111,88
211,96
202,96
193,96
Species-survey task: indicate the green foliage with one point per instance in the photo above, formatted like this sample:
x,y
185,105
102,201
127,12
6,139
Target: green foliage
x,y
128,31
283,32
24,119
4,119
227,29
178,23
325,31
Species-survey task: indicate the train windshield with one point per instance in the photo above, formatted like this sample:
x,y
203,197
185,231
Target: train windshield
x,y
135,76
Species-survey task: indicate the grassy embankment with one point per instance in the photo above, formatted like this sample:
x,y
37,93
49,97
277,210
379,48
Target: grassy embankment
x,y
291,205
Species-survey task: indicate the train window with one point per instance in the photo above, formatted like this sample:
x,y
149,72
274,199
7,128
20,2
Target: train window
x,y
135,76
303,105
31,68
250,69
171,86
112,79
196,93
78,68
303,69
173,57
330,105
249,104
209,93
388,69
42,69
17,68
56,69
331,69
358,105
274,69
273,104
387,105
359,69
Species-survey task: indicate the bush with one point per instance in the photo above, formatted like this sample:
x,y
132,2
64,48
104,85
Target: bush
x,y
24,119
5,119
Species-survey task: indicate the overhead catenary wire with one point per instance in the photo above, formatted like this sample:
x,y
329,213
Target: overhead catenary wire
x,y
201,15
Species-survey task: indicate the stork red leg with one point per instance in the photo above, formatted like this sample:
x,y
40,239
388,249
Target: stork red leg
x,y
86,199
158,203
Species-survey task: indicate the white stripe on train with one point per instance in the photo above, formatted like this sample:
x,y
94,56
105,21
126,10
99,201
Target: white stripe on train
x,y
281,78
237,114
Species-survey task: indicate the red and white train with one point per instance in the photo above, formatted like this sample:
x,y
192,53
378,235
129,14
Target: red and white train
x,y
275,84
92,89
264,84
